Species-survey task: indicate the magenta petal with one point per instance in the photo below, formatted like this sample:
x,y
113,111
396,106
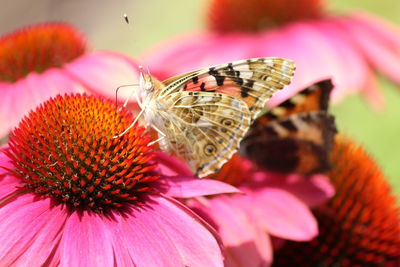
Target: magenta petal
x,y
165,235
171,166
186,187
282,214
86,241
378,51
103,72
315,57
20,97
30,231
4,160
245,242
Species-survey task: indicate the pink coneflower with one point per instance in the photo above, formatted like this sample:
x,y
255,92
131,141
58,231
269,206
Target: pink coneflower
x,y
272,205
72,195
40,61
360,225
347,48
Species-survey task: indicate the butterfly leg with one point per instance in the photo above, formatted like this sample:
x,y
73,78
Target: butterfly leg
x,y
161,133
130,126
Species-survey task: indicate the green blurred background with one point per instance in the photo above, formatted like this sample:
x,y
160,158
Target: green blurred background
x,y
154,20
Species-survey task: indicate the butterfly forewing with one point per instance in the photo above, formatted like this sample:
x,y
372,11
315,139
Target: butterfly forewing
x,y
254,80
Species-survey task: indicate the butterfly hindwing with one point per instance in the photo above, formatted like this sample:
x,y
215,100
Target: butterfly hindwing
x,y
294,136
206,128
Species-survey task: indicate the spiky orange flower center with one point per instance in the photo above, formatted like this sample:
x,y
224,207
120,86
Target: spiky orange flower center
x,y
38,48
256,15
65,150
360,225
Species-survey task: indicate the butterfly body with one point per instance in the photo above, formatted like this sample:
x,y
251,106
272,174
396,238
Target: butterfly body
x,y
203,115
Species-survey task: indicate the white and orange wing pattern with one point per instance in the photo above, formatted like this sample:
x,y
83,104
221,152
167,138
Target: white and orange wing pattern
x,y
203,115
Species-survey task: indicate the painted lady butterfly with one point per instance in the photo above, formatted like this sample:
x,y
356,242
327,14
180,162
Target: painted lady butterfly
x,y
295,136
202,116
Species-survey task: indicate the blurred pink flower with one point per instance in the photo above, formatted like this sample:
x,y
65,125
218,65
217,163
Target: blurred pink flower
x,y
72,195
43,60
347,48
272,205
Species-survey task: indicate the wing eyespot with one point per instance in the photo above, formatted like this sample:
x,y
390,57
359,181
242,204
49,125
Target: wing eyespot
x,y
227,122
210,149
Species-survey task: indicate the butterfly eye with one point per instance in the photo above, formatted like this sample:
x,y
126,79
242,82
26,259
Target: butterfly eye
x,y
227,122
210,149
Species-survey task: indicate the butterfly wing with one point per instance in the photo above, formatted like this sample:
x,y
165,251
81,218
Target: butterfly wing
x,y
295,136
204,128
253,81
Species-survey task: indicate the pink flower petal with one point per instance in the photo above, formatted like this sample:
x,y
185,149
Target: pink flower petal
x,y
162,234
281,213
351,59
103,72
186,187
315,57
26,94
86,241
4,160
246,244
378,51
30,231
171,166
313,190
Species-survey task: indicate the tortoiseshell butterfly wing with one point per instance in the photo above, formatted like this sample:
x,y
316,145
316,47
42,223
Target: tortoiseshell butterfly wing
x,y
204,114
295,136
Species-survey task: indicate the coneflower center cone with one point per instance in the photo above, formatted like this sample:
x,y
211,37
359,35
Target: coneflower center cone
x,y
257,15
65,150
38,48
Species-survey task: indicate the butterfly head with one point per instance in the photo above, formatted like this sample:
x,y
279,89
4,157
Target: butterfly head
x,y
145,81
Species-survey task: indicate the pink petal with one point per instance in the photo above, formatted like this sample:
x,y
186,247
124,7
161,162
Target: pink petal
x,y
26,94
193,51
187,187
4,160
351,59
313,190
373,94
281,213
86,241
245,242
162,234
315,57
103,72
30,231
379,52
171,166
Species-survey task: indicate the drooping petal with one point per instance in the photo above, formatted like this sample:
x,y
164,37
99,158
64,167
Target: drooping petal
x,y
30,230
162,234
245,242
315,57
171,166
86,241
103,72
281,213
378,51
186,187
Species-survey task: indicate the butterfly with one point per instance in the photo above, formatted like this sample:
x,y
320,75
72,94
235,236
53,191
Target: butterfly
x,y
202,116
295,136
